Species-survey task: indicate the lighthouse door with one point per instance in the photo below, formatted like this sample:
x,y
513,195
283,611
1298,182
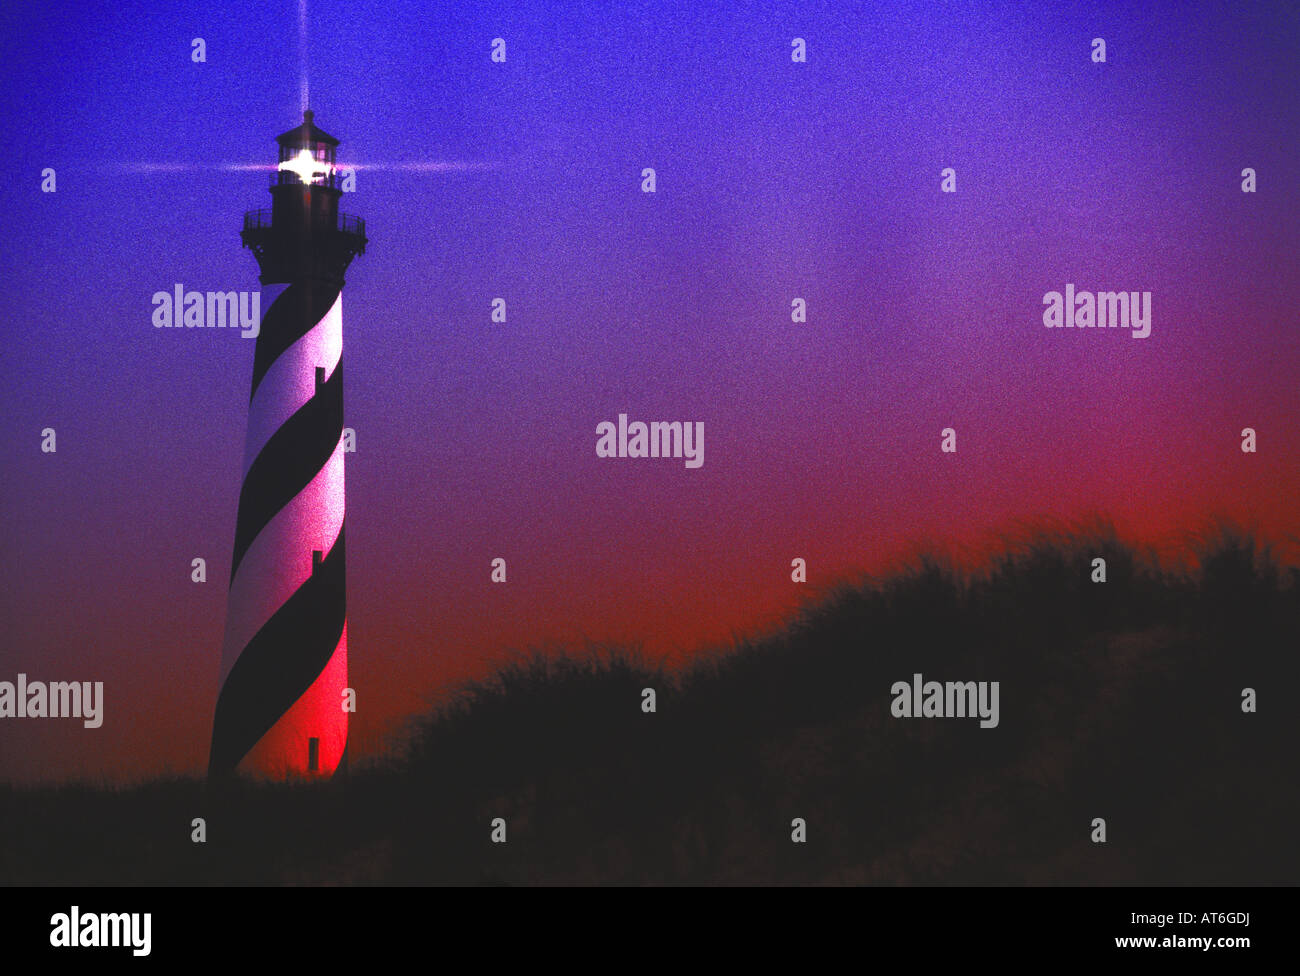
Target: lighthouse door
x,y
313,755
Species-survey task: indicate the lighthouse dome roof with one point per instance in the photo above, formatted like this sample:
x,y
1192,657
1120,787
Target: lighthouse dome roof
x,y
305,133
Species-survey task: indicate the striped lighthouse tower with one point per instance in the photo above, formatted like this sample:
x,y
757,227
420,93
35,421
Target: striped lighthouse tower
x,y
280,712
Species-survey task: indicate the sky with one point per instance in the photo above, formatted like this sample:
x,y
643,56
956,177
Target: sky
x,y
523,180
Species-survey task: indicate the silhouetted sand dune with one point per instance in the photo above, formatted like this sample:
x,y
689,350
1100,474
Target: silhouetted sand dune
x,y
1119,700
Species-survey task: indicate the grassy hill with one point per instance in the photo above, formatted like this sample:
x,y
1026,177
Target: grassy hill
x,y
1119,700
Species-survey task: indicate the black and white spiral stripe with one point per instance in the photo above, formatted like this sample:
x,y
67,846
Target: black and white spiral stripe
x,y
284,661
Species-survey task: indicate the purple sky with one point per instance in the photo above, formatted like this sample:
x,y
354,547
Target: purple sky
x,y
477,440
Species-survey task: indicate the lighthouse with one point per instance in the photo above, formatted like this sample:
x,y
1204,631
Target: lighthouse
x,y
284,665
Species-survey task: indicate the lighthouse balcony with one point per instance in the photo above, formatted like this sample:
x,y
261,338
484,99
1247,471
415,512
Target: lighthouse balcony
x,y
319,246
352,225
260,220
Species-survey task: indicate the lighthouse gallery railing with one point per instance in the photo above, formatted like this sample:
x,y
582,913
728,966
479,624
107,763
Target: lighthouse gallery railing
x,y
261,220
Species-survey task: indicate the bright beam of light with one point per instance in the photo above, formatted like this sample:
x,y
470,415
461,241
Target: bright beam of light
x,y
302,54
148,168
426,166
151,168
305,167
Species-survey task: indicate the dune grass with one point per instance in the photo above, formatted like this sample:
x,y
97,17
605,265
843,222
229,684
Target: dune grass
x,y
1119,700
